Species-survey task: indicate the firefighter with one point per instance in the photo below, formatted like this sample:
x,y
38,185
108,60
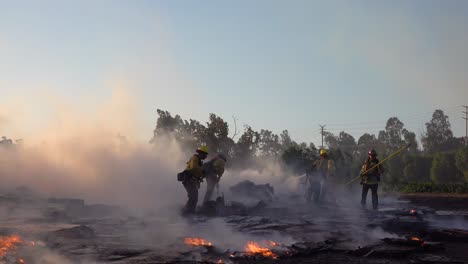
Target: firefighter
x,y
371,179
193,175
322,171
213,170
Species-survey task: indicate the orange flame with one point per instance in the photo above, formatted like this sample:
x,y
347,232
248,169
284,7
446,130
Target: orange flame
x,y
197,242
220,261
254,249
9,243
414,238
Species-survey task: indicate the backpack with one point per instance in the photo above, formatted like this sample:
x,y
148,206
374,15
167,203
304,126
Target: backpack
x,y
182,176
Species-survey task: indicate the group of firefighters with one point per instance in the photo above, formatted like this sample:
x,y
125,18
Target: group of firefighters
x,y
319,179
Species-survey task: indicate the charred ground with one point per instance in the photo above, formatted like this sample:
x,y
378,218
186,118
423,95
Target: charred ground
x,y
285,230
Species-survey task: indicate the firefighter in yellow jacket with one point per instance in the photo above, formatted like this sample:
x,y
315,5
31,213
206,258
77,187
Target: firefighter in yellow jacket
x,y
371,179
323,171
193,175
214,170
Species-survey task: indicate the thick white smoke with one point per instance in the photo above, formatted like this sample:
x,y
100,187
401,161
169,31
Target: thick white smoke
x,y
94,154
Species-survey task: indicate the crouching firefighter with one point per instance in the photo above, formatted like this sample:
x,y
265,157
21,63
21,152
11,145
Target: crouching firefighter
x,y
191,178
213,170
319,176
371,179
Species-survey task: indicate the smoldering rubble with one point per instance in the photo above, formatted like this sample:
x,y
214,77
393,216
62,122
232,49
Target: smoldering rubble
x,y
281,230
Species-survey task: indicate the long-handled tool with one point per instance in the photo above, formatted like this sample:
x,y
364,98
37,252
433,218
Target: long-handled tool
x,y
382,161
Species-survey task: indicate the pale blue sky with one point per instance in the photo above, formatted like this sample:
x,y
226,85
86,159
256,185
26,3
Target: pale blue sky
x,y
273,64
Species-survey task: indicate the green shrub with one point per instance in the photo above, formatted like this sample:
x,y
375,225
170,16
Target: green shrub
x,y
429,188
461,161
444,170
417,168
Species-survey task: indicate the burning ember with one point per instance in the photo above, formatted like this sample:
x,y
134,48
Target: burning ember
x,y
274,244
414,238
197,242
254,249
220,261
412,211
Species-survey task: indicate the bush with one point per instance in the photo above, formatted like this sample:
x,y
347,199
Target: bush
x,y
461,161
417,168
430,188
444,170
394,170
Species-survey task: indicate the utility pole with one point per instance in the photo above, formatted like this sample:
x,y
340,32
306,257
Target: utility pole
x,y
466,124
322,130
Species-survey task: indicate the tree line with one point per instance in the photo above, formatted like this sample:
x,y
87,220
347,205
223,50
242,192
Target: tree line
x,y
443,158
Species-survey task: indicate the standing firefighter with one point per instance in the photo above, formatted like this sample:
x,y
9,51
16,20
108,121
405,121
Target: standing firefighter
x,y
371,179
191,178
213,169
322,171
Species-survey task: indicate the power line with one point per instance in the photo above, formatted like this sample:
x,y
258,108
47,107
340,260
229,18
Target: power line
x,y
412,117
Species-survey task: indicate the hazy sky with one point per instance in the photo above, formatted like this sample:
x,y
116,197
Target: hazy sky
x,y
273,64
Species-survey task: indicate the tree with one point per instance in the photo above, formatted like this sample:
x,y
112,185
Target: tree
x,y
269,144
165,124
189,133
299,158
438,136
6,142
392,137
410,138
346,142
366,142
330,140
246,147
286,141
217,135
444,170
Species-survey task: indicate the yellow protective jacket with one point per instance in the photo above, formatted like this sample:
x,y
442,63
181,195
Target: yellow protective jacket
x,y
214,168
373,176
195,168
325,167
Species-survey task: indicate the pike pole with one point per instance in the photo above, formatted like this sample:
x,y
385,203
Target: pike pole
x,y
382,161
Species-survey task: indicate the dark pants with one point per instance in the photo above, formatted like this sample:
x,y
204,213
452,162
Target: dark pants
x,y
375,197
211,182
313,192
192,193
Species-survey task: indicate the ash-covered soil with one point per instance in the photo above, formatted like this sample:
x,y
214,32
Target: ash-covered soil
x,y
286,230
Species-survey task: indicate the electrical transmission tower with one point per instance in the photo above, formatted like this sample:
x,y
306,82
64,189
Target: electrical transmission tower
x,y
466,124
322,130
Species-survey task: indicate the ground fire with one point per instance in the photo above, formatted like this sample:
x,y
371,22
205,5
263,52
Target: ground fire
x,y
197,242
9,246
253,248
